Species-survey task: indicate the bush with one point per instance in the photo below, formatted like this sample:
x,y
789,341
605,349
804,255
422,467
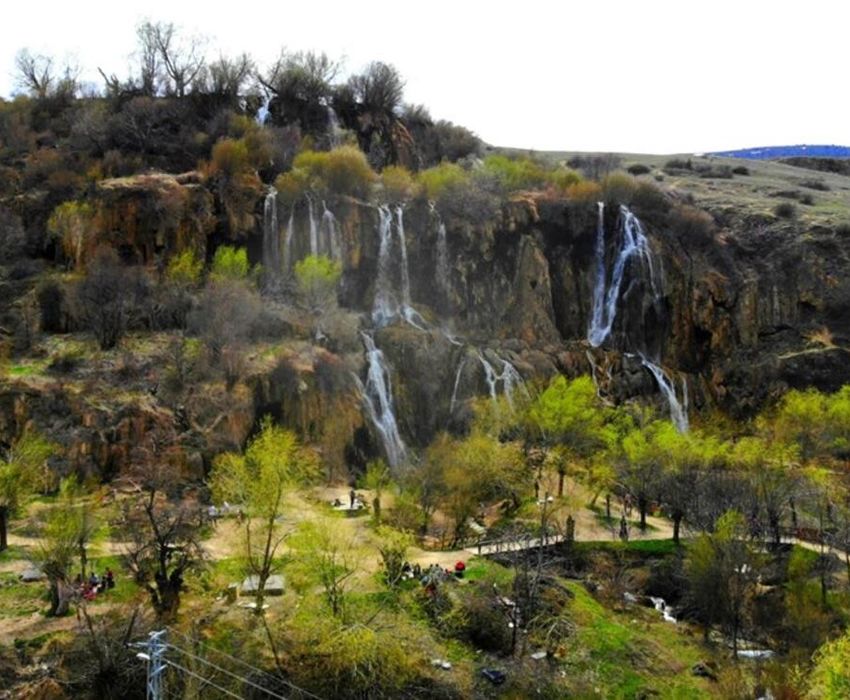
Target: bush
x,y
229,263
649,201
73,224
740,170
692,226
638,169
185,268
818,185
292,186
583,193
437,180
843,230
678,164
515,173
785,210
342,171
619,188
398,183
229,157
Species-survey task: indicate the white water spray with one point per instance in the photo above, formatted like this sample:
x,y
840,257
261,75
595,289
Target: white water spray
x,y
606,295
378,402
678,411
271,236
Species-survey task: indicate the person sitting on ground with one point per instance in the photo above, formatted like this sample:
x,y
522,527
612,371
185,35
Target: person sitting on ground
x,y
460,567
109,579
94,580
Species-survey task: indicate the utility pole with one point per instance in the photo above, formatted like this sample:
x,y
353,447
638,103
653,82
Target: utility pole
x,y
156,667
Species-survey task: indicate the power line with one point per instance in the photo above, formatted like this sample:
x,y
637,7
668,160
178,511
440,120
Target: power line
x,y
245,664
205,681
225,671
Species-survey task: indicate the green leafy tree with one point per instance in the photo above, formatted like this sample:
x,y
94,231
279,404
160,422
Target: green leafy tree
x,y
229,263
377,478
259,482
185,268
568,414
722,569
23,469
317,277
830,677
69,528
393,546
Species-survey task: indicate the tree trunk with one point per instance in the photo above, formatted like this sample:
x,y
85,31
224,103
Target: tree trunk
x,y
608,506
775,530
677,521
560,484
642,506
4,519
376,508
60,598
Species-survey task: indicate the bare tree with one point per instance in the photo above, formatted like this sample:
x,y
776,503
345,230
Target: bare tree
x,y
159,524
35,72
227,76
161,47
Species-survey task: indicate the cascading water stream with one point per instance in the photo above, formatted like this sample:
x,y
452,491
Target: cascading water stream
x,y
456,385
378,402
331,228
263,111
333,127
510,379
389,304
271,236
441,268
314,229
678,411
605,296
287,242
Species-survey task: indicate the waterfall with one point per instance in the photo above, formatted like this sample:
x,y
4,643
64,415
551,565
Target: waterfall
x,y
678,411
383,306
271,236
456,385
332,235
314,229
287,242
263,112
606,294
389,305
442,266
510,379
378,402
333,127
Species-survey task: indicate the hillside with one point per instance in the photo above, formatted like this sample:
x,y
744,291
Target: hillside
x,y
352,405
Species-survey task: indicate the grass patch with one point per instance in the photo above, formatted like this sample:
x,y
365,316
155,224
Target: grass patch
x,y
19,599
480,568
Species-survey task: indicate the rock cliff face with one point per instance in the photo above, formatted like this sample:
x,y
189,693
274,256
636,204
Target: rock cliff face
x,y
756,308
744,316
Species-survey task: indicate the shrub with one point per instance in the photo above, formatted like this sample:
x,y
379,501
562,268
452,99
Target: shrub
x,y
649,201
342,171
785,210
806,199
638,169
619,187
843,230
12,237
584,192
692,226
229,263
740,170
185,268
317,277
229,157
678,164
445,176
515,173
818,185
397,182
292,186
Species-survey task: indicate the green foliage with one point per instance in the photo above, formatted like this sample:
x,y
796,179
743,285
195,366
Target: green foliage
x,y
441,178
317,277
341,171
398,184
619,188
393,546
830,677
185,268
229,263
515,173
292,186
229,157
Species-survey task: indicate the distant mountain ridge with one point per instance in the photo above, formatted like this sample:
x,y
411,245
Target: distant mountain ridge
x,y
772,152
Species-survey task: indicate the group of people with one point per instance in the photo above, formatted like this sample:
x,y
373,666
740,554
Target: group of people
x,y
89,588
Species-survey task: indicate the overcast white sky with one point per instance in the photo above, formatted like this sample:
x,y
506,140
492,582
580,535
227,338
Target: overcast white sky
x,y
634,76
